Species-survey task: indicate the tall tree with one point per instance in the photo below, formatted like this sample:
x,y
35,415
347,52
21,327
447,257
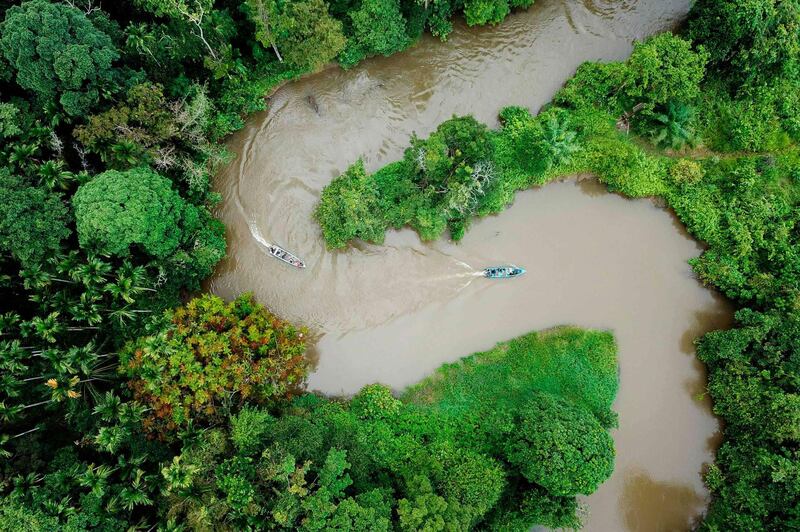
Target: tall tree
x,y
308,33
33,221
192,12
379,27
57,53
263,13
116,210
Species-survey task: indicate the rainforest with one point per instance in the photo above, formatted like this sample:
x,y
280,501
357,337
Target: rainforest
x,y
160,370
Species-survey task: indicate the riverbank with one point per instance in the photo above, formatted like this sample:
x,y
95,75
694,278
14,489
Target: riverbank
x,y
745,208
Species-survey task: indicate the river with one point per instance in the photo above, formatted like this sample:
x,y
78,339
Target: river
x,y
393,313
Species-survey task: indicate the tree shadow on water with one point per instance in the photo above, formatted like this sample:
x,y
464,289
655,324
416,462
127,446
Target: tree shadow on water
x,y
652,506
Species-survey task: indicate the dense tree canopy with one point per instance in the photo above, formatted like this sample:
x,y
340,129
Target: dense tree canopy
x,y
116,210
379,27
115,110
752,41
58,54
33,221
561,447
208,356
307,34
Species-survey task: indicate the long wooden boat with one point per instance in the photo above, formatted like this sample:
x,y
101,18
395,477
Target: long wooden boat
x,y
285,256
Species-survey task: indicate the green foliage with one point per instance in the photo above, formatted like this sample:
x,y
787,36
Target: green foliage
x,y
752,121
686,171
9,120
558,142
597,85
753,383
374,402
208,357
250,428
626,168
142,120
741,210
673,127
564,382
348,209
578,365
379,27
664,68
14,516
479,12
661,69
560,447
751,42
33,222
57,54
441,181
116,210
307,34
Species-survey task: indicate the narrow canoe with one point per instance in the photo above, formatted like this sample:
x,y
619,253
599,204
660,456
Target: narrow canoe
x,y
285,256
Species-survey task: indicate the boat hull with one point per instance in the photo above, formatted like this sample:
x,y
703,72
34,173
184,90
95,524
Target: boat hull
x,y
285,256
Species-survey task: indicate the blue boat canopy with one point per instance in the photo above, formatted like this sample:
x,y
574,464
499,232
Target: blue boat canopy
x,y
503,272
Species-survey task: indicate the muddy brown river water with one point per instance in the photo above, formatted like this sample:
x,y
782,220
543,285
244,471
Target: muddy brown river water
x,y
394,313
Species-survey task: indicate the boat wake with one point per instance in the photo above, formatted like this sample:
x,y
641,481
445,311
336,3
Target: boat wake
x,y
256,234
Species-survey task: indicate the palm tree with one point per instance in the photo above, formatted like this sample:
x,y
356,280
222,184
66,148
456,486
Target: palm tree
x,y
560,140
93,271
47,328
35,278
673,127
52,174
22,155
8,321
125,154
87,308
141,40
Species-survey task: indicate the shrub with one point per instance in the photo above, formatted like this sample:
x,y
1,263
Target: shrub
x,y
751,42
33,221
250,428
379,27
625,168
374,402
306,33
673,127
479,12
665,68
686,171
